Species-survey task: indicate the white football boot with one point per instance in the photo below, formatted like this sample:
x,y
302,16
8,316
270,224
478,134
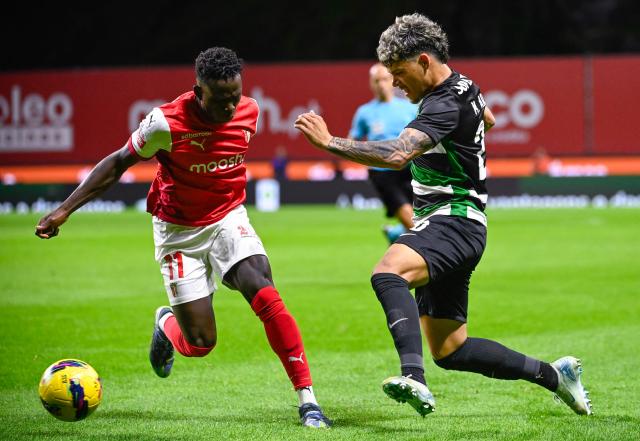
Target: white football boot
x,y
570,389
406,390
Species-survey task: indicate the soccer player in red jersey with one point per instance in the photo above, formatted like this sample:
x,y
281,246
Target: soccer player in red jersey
x,y
200,225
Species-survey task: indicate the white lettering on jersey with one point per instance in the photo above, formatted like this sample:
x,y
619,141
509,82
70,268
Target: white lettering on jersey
x,y
475,108
221,164
481,100
481,104
482,164
463,85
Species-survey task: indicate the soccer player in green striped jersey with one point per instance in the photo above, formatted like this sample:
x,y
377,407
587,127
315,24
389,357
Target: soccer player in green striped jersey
x,y
445,146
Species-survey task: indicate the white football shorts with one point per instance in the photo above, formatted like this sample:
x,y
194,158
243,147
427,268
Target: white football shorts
x,y
189,257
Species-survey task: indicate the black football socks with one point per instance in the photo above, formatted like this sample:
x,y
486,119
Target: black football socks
x,y
403,322
494,360
478,355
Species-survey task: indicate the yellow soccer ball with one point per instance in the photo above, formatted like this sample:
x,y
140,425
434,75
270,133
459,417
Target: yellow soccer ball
x,y
70,389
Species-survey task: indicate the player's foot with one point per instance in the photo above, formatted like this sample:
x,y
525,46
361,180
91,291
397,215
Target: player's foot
x,y
406,390
161,351
392,232
570,390
311,416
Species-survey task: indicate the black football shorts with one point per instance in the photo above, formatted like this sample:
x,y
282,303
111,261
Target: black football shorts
x,y
393,187
452,247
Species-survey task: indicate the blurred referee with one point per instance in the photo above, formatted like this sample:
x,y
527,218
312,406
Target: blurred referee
x,y
383,118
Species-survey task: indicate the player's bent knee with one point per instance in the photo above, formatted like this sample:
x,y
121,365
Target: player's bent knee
x,y
384,281
190,350
201,340
445,363
448,357
383,268
208,341
445,349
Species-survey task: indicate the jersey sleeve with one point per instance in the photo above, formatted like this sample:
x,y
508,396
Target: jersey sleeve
x,y
438,117
358,126
253,116
151,136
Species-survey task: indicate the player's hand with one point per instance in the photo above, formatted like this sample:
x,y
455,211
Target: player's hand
x,y
49,225
314,129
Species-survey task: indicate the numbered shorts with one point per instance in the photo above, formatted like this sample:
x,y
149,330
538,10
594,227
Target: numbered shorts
x,y
452,247
189,257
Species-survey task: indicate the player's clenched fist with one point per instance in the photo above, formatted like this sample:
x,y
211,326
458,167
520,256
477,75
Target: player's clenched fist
x,y
314,129
49,225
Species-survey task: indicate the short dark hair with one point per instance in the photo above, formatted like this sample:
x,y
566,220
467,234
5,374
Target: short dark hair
x,y
217,63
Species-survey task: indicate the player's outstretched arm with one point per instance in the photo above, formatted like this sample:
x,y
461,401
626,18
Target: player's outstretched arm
x,y
393,153
103,175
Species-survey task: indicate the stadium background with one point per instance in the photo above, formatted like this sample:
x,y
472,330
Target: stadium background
x,y
564,76
559,78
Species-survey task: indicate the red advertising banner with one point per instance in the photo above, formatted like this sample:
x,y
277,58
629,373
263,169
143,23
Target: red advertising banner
x,y
616,94
79,116
283,91
538,104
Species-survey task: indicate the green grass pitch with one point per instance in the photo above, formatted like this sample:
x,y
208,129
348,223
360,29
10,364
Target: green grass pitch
x,y
551,283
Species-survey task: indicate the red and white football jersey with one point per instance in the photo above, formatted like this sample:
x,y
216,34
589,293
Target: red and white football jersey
x,y
202,175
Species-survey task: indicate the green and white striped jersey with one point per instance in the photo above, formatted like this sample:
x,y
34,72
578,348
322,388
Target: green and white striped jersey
x,y
449,179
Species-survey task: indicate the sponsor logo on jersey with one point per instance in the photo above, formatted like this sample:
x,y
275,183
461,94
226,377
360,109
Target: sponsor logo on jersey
x,y
195,135
199,144
221,164
247,135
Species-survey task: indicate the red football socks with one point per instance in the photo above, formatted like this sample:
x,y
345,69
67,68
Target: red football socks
x,y
283,335
174,334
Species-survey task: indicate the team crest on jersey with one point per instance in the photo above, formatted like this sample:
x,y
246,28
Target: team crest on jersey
x,y
247,135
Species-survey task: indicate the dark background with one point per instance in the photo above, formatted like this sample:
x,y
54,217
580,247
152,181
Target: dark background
x,y
93,34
